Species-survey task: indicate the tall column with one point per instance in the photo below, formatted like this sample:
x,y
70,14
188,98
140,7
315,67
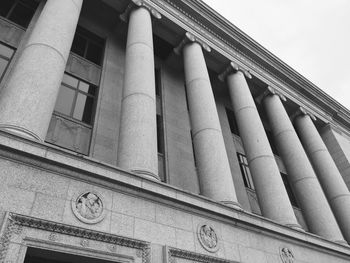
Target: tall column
x,y
137,149
271,193
28,100
331,180
212,163
301,176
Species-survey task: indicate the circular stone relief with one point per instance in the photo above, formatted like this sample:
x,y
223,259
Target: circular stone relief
x,y
286,255
208,238
88,207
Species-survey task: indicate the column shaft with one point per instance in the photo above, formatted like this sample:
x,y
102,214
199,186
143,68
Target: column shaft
x,y
271,193
328,174
301,176
137,150
28,100
213,167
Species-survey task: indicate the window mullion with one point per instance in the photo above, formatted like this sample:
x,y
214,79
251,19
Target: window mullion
x,y
11,9
74,100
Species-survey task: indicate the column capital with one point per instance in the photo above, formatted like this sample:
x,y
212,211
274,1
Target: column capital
x,y
302,112
232,68
268,92
139,3
190,38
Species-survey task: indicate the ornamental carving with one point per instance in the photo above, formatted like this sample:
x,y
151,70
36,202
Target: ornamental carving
x,y
208,238
85,243
286,255
88,207
53,237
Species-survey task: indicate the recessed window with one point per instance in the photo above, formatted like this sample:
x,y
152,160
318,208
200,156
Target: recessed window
x,y
232,121
247,176
271,140
88,45
290,193
18,11
160,124
162,49
71,123
6,54
76,99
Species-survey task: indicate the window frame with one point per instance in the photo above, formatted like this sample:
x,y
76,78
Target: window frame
x,y
245,171
161,142
6,58
232,121
292,197
89,37
76,92
26,5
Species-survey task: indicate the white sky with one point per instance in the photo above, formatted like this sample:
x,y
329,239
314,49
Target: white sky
x,y
311,36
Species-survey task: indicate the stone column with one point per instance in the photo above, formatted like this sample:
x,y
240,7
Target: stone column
x,y
28,100
212,163
331,180
137,149
270,190
301,176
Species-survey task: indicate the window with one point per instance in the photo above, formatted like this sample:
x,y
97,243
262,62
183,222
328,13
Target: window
x,y
290,193
71,123
247,177
162,49
160,129
6,54
232,121
18,11
271,140
76,99
88,45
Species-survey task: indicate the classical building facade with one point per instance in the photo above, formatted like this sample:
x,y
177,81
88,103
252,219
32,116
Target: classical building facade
x,y
156,131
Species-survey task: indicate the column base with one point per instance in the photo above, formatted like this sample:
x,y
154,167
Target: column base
x,y
20,131
232,204
148,174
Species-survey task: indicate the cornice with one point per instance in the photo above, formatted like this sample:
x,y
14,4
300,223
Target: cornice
x,y
236,46
173,253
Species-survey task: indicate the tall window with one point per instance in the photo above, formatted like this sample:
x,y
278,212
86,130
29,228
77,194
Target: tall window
x,y
290,193
160,124
232,121
76,99
247,177
271,140
88,45
71,122
6,54
18,11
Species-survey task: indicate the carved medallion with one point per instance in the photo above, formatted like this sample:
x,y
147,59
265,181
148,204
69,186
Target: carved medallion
x,y
112,247
85,243
88,207
286,255
208,238
53,237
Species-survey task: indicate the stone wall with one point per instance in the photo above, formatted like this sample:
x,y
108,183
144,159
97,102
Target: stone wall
x,y
45,184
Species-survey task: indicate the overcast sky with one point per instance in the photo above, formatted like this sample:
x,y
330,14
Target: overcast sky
x,y
311,36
